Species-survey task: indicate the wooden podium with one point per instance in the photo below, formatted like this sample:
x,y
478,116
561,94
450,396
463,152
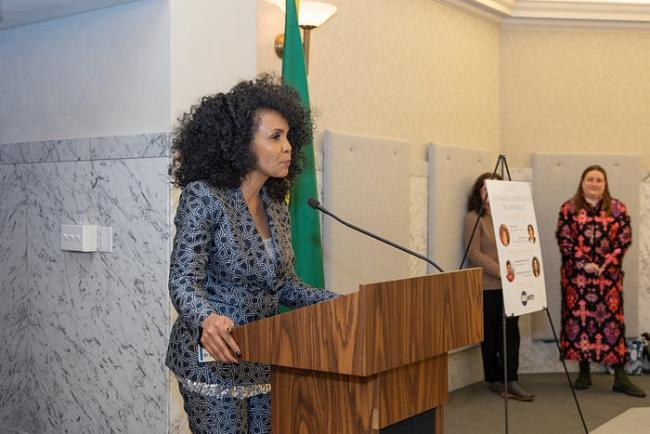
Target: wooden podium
x,y
374,361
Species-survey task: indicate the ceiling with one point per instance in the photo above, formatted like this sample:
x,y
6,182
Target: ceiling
x,y
15,13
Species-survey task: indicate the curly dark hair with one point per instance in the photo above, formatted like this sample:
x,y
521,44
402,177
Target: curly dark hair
x,y
474,201
213,140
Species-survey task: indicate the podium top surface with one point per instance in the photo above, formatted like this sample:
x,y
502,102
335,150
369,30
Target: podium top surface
x,y
383,326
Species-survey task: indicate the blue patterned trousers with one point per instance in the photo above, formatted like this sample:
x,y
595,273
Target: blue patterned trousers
x,y
212,415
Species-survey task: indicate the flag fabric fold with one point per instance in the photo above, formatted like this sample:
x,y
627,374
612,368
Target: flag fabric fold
x,y
305,222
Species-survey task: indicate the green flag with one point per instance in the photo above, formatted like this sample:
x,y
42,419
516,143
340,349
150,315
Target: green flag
x,y
305,222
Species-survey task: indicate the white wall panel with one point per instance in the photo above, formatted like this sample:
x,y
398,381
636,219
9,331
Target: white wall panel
x,y
366,182
452,172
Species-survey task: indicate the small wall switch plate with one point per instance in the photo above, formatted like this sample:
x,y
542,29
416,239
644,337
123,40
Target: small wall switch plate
x,y
79,238
104,238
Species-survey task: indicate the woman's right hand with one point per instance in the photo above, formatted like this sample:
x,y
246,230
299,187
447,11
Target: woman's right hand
x,y
217,340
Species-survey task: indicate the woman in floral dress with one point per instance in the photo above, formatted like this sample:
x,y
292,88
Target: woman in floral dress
x,y
593,233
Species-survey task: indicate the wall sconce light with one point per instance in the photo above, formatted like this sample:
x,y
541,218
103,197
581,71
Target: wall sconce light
x,y
311,15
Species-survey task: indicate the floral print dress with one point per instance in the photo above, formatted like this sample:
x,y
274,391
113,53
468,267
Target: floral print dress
x,y
592,305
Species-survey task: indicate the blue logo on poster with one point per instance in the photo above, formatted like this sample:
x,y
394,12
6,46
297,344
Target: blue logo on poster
x,y
525,297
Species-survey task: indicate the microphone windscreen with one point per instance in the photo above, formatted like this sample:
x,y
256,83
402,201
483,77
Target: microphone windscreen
x,y
313,203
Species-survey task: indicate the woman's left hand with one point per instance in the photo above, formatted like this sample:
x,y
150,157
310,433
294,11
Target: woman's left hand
x,y
216,338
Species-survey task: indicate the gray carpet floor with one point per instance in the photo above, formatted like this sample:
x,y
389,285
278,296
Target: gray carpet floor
x,y
475,409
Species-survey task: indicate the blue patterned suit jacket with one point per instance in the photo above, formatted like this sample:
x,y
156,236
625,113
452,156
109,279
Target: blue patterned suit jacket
x,y
219,265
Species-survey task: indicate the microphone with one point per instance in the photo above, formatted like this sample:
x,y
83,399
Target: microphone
x,y
313,203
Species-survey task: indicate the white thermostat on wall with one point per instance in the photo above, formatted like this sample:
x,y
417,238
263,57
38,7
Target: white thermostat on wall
x,y
86,238
79,238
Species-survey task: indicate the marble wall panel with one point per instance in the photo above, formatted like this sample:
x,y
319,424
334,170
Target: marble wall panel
x,y
149,145
46,150
140,146
418,217
15,377
100,319
88,331
136,205
644,255
464,367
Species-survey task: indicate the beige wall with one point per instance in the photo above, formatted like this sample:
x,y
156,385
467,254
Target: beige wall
x,y
412,69
204,57
423,71
575,91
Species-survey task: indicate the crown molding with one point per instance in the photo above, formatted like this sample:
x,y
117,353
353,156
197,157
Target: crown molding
x,y
582,10
562,13
475,9
566,24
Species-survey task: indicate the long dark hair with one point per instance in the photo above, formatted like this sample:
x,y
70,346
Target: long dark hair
x,y
579,198
474,201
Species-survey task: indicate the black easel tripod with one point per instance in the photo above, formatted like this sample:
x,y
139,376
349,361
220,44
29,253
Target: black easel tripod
x,y
502,166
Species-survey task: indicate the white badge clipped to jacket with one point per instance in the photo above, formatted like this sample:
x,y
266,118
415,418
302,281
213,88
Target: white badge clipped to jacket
x,y
204,356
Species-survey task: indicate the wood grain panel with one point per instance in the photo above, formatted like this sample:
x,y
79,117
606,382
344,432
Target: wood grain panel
x,y
324,337
367,360
407,320
439,422
308,402
381,327
256,340
327,337
410,390
463,309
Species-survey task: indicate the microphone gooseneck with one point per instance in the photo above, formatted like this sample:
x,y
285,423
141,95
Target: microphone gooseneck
x,y
313,203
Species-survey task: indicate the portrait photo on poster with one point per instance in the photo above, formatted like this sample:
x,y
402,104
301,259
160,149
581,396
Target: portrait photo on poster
x,y
510,271
504,235
531,234
536,267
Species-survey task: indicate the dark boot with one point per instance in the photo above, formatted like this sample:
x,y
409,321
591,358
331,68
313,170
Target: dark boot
x,y
624,385
584,377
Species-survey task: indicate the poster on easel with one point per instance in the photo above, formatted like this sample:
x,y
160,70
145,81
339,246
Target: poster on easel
x,y
520,255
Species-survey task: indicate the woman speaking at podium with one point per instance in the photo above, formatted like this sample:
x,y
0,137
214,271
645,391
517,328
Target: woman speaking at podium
x,y
234,155
593,232
482,252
